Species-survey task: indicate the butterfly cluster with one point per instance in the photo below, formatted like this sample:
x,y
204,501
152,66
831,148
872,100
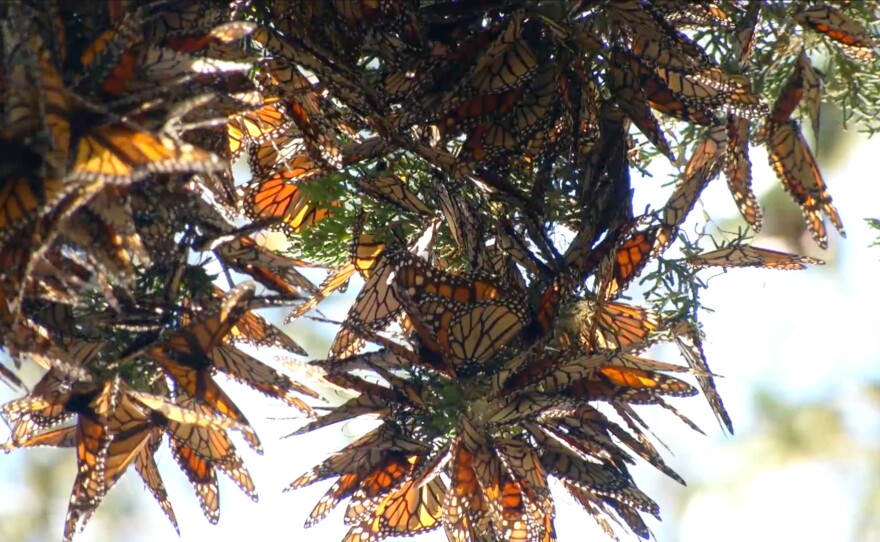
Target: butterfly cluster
x,y
448,144
112,199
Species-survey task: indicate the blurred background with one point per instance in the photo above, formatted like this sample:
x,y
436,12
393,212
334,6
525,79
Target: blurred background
x,y
798,352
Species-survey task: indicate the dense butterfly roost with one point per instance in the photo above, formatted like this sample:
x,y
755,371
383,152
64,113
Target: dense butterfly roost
x,y
449,145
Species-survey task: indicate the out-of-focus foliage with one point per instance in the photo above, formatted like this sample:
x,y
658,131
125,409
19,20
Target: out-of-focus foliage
x,y
874,223
470,160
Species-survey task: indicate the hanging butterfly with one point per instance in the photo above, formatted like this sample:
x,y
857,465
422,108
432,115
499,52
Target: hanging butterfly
x,y
364,253
115,154
191,354
795,166
703,166
611,325
738,170
254,330
629,257
267,122
751,256
848,32
276,272
278,198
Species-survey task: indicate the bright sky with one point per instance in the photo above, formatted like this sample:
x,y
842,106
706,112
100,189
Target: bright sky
x,y
804,335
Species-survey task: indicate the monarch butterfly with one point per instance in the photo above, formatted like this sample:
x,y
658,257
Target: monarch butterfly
x,y
69,358
58,278
586,432
105,229
524,464
132,424
588,420
857,41
631,98
412,509
398,390
685,66
461,219
190,354
255,330
267,122
117,154
486,143
629,257
646,24
501,499
468,335
582,474
791,94
211,444
35,99
515,514
287,155
276,272
812,89
184,20
673,93
139,72
462,104
750,256
485,463
688,339
464,498
469,317
145,464
92,442
743,44
795,166
376,403
480,108
506,61
23,199
375,306
684,14
364,254
202,476
611,325
528,367
111,61
283,78
240,367
495,261
625,492
276,198
505,70
525,406
392,189
515,129
631,385
396,471
417,278
738,170
197,39
335,281
362,455
666,93
44,407
316,132
366,459
590,501
608,372
703,166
